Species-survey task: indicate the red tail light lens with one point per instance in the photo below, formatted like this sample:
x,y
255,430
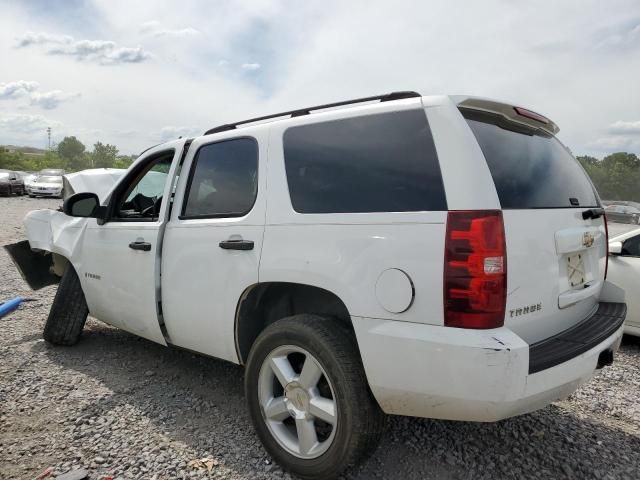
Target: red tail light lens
x,y
475,270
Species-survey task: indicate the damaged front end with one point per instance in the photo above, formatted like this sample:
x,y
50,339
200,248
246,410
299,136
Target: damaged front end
x,y
52,241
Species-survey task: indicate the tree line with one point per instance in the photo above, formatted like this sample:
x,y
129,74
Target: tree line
x,y
70,155
616,176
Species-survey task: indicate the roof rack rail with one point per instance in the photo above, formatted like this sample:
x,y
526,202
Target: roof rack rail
x,y
306,111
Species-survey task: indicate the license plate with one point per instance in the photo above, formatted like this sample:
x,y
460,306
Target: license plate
x,y
575,269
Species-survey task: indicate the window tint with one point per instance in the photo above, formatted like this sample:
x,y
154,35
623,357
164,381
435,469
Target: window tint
x,y
631,246
529,168
224,180
375,163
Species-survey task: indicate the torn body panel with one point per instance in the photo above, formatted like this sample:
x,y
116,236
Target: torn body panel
x,y
53,238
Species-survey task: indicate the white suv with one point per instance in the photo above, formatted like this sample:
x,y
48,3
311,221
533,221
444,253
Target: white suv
x,y
439,257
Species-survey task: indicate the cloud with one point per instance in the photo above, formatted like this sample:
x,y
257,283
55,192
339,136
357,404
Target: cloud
x,y
52,99
616,143
16,89
104,52
625,128
25,124
156,29
620,36
250,67
31,38
173,132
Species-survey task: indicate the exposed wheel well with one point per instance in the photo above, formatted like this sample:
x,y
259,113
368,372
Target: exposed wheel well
x,y
264,303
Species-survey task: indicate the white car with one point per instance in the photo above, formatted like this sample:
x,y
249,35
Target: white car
x,y
45,186
28,180
438,257
624,271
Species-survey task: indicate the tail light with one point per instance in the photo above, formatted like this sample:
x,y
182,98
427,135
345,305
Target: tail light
x,y
475,270
606,245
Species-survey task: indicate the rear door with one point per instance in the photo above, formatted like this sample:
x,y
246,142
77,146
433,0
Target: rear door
x,y
212,244
555,257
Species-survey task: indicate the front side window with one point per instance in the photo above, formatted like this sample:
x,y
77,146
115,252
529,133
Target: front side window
x,y
375,163
223,181
143,197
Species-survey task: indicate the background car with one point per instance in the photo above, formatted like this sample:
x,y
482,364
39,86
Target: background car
x,y
28,178
624,272
52,171
46,186
623,214
11,183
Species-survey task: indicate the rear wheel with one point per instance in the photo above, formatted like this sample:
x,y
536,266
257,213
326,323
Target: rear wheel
x,y
309,399
68,312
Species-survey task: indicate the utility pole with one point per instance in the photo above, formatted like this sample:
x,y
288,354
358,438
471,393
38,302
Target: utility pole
x,y
49,137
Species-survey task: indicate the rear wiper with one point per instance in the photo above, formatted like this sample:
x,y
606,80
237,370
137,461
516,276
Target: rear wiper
x,y
593,213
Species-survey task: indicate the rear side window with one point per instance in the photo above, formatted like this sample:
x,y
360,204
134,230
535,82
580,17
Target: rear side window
x,y
223,180
530,169
375,163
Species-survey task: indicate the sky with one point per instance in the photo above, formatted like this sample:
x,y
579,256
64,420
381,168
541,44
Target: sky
x,y
135,74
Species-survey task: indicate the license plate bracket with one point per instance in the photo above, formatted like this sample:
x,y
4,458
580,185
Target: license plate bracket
x,y
575,269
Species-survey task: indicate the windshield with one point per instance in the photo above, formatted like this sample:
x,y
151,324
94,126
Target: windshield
x,y
48,179
4,175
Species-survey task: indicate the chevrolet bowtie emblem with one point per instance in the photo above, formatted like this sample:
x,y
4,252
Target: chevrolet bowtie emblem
x,y
587,239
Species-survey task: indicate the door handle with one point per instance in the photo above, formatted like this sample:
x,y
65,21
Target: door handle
x,y
236,244
137,245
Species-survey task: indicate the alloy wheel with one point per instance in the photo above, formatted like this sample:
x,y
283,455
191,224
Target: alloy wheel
x,y
297,401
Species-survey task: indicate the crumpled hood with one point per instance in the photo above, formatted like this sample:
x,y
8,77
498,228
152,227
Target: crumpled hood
x,y
97,180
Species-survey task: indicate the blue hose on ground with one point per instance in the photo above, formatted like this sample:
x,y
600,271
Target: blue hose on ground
x,y
10,305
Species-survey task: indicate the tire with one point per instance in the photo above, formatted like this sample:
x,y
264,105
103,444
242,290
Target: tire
x,y
358,420
68,312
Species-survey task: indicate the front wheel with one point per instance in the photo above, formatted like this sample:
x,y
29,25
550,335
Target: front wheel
x,y
308,397
68,312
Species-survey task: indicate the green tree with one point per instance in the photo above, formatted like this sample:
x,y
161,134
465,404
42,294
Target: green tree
x,y
103,155
616,176
71,150
122,161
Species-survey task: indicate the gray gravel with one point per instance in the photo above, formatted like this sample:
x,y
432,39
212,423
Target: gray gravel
x,y
121,406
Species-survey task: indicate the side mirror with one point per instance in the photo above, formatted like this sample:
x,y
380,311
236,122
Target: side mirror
x,y
85,204
615,248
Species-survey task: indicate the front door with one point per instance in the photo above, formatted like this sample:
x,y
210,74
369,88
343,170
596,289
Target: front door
x,y
120,259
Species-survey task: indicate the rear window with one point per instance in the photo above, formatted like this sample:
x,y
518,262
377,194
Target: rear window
x,y
375,163
530,168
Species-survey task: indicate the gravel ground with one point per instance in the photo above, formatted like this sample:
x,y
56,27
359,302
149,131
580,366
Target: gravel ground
x,y
120,406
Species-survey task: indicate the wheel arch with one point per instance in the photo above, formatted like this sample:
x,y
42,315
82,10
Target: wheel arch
x,y
263,303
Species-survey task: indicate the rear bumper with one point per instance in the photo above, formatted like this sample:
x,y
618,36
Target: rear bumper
x,y
456,374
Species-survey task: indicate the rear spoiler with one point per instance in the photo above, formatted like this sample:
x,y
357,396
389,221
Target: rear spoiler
x,y
511,113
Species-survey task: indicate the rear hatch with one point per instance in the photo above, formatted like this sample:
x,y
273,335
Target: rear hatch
x,y
555,257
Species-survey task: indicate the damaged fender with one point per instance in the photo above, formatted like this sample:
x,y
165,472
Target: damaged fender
x,y
53,239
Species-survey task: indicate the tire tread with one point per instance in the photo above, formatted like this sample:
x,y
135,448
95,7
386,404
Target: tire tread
x,y
68,312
